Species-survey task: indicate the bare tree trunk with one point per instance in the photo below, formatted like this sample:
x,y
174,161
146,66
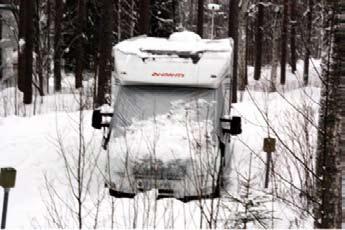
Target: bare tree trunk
x,y
1,50
117,22
284,43
28,48
258,41
105,60
176,14
242,65
38,50
80,55
191,15
133,18
48,45
293,35
275,53
200,24
330,148
308,42
118,17
233,32
59,5
144,17
81,161
21,59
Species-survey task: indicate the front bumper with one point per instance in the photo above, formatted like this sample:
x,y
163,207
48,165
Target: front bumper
x,y
185,189
162,193
182,179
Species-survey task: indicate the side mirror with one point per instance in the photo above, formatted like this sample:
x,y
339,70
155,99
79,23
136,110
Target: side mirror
x,y
233,125
96,119
100,119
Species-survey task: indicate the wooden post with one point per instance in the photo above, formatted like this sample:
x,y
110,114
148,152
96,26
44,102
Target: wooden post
x,y
269,148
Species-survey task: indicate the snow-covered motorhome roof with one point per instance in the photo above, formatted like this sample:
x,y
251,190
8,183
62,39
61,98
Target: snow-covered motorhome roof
x,y
185,41
184,59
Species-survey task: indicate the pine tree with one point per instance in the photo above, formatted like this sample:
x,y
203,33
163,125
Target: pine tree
x,y
21,34
293,23
1,24
80,54
105,60
258,41
284,43
38,49
49,59
144,18
233,33
330,147
275,51
200,24
242,46
28,49
162,23
59,6
308,42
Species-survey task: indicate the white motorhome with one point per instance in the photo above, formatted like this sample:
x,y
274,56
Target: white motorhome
x,y
170,128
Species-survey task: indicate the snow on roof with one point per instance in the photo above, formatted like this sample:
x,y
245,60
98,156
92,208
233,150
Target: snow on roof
x,y
185,41
185,36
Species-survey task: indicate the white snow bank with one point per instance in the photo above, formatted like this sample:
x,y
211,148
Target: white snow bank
x,y
293,80
28,145
288,114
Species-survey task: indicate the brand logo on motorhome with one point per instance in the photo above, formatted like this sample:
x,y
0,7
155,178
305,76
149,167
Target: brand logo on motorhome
x,y
169,75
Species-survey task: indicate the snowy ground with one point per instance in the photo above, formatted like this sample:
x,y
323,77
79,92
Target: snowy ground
x,y
31,145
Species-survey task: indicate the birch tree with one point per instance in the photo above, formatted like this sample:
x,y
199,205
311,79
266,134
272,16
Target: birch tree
x,y
275,50
242,62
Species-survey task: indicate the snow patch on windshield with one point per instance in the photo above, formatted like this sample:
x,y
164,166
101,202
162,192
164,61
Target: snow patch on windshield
x,y
185,132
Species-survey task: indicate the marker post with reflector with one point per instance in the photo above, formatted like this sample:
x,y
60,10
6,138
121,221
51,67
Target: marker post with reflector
x,y
7,181
269,148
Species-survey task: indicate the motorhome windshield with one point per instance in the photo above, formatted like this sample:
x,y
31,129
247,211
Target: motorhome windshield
x,y
140,103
